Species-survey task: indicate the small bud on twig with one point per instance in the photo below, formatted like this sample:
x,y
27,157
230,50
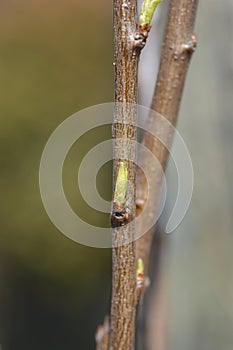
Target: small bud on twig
x,y
143,27
121,214
147,10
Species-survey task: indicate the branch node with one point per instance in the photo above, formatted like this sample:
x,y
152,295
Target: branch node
x,y
121,215
141,36
191,44
188,47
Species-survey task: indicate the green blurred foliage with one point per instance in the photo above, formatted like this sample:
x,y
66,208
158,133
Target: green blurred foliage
x,y
55,59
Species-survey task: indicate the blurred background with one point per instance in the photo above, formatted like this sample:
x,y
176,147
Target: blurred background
x,y
55,59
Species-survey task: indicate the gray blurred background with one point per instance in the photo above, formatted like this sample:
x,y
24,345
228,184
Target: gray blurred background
x,y
55,59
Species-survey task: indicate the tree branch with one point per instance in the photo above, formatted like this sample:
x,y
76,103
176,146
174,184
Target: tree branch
x,y
178,46
122,327
179,43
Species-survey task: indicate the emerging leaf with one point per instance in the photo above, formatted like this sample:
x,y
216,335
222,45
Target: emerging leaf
x,y
140,269
121,184
147,11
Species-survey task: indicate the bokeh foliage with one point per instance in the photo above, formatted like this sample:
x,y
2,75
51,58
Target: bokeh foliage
x,y
55,59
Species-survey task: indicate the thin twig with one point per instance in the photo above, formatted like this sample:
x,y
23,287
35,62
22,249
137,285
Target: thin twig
x,y
177,49
178,45
124,132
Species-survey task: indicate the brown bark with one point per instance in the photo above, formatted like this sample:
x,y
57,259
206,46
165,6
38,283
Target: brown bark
x,y
122,326
178,45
